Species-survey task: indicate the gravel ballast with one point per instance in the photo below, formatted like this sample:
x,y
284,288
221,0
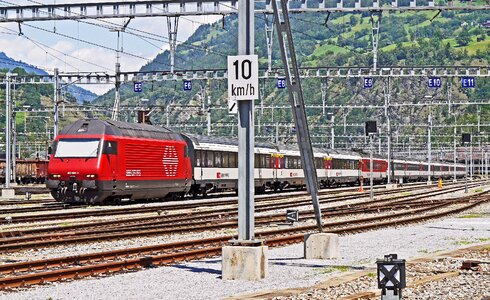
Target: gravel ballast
x,y
287,268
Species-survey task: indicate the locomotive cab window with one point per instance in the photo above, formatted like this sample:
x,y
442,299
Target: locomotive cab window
x,y
77,148
110,147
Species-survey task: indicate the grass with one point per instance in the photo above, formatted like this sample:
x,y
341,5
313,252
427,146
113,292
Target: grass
x,y
406,194
479,190
471,216
332,269
393,46
322,50
371,275
467,242
482,46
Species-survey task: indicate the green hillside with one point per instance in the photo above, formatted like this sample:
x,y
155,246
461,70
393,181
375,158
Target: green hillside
x,y
406,39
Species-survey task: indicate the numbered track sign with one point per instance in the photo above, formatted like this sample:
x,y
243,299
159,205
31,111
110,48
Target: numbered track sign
x,y
243,77
468,82
187,85
368,82
281,83
434,82
138,87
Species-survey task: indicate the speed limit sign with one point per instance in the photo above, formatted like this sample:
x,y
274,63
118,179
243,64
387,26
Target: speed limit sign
x,y
243,77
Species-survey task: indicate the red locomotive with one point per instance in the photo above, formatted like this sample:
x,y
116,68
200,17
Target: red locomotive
x,y
94,161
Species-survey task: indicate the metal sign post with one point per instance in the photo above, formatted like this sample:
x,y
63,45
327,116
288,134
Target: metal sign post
x,y
371,192
466,139
429,148
7,131
56,102
285,39
246,38
466,171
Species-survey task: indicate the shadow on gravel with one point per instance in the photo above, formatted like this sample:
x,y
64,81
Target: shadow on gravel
x,y
198,270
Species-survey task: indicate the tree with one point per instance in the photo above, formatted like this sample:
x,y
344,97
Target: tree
x,y
353,21
464,38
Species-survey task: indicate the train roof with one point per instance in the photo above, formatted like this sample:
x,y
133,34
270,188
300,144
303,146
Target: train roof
x,y
346,153
223,142
118,128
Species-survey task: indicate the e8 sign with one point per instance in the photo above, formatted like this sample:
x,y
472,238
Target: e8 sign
x,y
243,77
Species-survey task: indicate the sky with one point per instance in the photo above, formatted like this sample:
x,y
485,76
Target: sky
x,y
41,47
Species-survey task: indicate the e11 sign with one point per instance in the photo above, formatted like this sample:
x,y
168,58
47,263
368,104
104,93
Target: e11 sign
x,y
368,82
434,82
468,82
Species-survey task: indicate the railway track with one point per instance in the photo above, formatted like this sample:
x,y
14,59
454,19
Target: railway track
x,y
51,205
55,269
158,209
225,218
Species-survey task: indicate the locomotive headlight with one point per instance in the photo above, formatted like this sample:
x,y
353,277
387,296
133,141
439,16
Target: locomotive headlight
x,y
55,175
91,176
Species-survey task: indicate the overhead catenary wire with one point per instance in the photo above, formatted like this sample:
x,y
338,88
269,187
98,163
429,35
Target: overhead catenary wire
x,y
38,43
112,24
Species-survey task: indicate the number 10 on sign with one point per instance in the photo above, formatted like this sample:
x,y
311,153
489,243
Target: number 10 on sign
x,y
243,77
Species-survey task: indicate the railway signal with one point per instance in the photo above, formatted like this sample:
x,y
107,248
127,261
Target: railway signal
x,y
371,129
391,277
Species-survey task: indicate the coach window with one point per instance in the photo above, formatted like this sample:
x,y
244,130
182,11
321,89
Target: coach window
x,y
224,159
267,161
232,160
217,159
210,158
198,158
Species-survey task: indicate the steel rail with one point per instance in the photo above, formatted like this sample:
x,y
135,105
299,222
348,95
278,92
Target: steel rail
x,y
271,239
209,216
31,241
144,230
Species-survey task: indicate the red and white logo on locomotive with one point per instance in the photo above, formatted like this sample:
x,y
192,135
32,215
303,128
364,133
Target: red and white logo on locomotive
x,y
170,161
